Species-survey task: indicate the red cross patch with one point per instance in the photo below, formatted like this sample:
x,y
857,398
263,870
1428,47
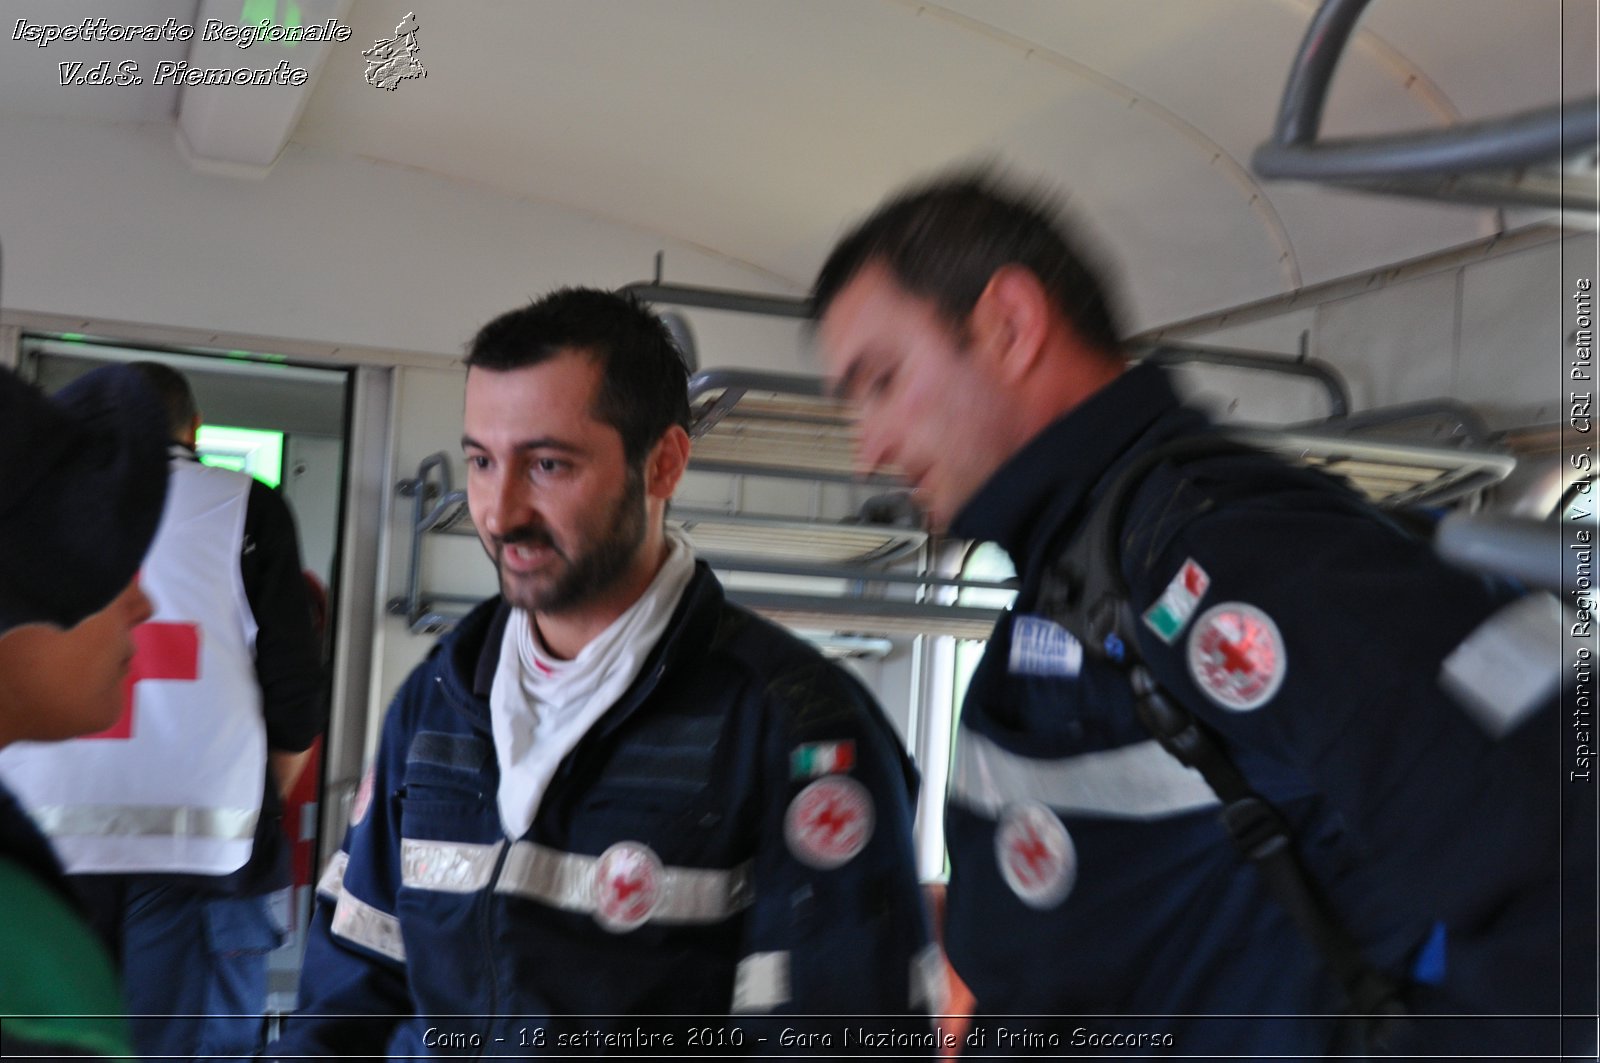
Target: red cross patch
x,y
628,880
1036,855
829,822
1236,656
160,651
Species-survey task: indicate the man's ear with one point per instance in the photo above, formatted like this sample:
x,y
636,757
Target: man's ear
x,y
1010,322
664,466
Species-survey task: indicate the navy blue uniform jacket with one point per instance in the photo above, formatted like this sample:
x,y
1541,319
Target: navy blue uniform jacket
x,y
679,864
1436,843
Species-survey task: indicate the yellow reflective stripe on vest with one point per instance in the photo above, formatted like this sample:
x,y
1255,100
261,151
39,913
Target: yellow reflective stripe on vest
x,y
1141,781
567,881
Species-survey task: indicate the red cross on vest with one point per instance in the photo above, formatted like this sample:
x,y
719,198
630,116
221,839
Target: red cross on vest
x,y
161,651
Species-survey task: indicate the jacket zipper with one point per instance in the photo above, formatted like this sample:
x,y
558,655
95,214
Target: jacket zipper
x,y
488,943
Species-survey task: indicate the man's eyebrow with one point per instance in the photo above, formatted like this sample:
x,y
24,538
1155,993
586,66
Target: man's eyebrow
x,y
540,443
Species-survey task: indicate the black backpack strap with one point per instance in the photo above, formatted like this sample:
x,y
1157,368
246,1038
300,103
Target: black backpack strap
x,y
1085,592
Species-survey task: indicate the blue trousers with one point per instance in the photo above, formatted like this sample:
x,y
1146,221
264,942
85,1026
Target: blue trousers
x,y
194,966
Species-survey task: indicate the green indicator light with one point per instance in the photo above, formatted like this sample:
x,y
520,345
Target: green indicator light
x,y
259,453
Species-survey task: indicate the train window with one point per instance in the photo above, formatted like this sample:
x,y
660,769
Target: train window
x,y
984,561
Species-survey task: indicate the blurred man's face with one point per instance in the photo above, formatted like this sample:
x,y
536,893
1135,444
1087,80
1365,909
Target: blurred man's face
x,y
555,504
927,410
57,684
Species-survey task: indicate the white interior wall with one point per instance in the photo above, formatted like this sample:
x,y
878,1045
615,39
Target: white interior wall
x,y
311,479
105,220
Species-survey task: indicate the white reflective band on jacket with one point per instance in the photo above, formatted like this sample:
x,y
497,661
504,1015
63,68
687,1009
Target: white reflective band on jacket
x,y
1141,781
531,871
929,986
182,792
567,881
761,982
331,884
355,920
449,867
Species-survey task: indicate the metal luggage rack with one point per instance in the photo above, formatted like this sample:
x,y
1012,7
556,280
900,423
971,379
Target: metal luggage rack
x,y
772,424
1390,474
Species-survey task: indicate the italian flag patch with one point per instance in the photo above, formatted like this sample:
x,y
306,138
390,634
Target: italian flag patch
x,y
1173,609
822,758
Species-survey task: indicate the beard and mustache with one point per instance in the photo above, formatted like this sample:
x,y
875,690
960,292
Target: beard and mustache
x,y
602,553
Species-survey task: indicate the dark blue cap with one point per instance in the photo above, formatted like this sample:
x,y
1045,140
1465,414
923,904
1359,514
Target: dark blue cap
x,y
83,476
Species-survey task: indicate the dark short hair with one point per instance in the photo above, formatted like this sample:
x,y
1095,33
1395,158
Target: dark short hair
x,y
945,239
177,398
644,386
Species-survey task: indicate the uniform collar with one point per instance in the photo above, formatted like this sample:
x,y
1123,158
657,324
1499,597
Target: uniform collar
x,y
1045,483
472,650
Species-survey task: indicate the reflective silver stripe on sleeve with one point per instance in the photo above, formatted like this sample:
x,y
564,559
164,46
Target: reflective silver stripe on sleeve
x,y
331,884
566,880
449,867
1141,781
173,821
761,982
928,980
359,922
1506,670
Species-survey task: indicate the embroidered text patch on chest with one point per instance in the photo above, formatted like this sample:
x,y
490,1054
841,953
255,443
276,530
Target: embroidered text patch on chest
x,y
1043,647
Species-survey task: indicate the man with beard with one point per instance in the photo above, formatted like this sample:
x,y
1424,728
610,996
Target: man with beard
x,y
609,792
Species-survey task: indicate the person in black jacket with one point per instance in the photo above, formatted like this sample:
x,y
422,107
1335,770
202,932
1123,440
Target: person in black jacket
x,y
1398,713
613,811
85,481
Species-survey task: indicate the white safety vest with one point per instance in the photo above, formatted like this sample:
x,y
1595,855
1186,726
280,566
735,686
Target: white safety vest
x,y
177,787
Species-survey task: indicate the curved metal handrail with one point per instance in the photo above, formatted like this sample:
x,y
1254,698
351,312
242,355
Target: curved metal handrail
x,y
1384,163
